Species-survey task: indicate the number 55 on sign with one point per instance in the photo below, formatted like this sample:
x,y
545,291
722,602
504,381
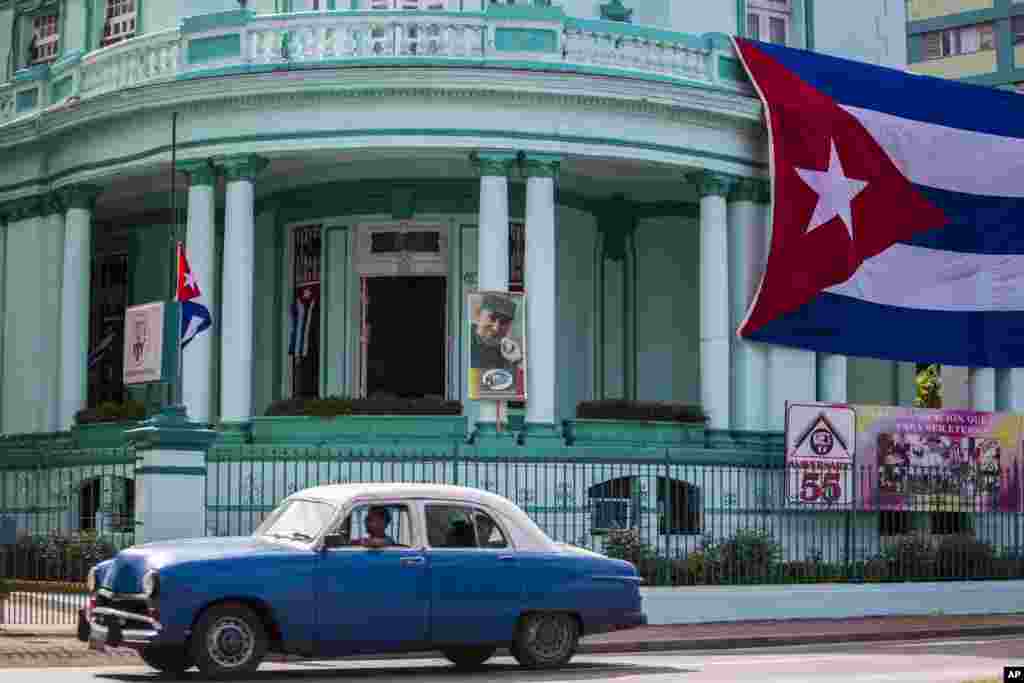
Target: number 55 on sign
x,y
819,454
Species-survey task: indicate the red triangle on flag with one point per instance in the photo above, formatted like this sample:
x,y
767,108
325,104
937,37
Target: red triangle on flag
x,y
188,287
813,140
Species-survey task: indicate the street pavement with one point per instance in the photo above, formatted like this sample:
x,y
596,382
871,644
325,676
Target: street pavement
x,y
56,646
940,661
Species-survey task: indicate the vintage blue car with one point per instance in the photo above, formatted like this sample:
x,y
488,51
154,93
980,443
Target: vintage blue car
x,y
351,569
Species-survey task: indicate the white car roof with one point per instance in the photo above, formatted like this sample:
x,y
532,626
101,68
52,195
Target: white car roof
x,y
526,535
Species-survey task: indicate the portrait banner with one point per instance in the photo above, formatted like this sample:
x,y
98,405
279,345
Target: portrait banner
x,y
497,346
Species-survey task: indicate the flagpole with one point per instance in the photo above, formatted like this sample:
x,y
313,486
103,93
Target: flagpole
x,y
176,385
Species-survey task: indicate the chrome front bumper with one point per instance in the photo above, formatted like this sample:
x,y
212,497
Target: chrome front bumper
x,y
110,627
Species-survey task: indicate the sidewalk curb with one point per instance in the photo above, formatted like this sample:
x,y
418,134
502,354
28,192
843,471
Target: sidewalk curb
x,y
784,640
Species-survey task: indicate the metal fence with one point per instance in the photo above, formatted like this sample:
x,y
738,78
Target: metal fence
x,y
690,524
64,509
681,522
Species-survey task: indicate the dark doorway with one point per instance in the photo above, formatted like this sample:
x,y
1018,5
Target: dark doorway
x,y
406,353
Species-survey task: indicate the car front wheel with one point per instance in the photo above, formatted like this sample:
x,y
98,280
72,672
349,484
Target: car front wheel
x,y
167,659
468,657
546,640
229,640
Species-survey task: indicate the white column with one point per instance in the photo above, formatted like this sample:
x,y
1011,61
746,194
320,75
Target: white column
x,y
714,298
200,244
541,290
981,388
748,249
74,308
1010,390
51,346
236,313
493,236
831,374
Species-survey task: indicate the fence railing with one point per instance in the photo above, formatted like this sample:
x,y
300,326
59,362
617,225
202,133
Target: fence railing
x,y
681,522
70,508
691,524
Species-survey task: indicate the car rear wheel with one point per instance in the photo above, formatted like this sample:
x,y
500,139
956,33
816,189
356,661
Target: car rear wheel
x,y
229,640
168,659
468,657
546,640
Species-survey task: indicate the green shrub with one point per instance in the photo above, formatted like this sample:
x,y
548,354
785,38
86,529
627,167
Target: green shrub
x,y
56,557
111,411
964,556
625,544
333,406
661,411
912,557
746,557
6,588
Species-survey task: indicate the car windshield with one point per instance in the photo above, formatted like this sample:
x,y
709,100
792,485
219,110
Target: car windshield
x,y
298,520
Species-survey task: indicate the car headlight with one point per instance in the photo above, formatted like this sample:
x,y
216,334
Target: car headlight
x,y
150,583
90,580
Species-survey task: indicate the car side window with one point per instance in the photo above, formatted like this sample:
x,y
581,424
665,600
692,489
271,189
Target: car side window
x,y
488,533
377,526
455,526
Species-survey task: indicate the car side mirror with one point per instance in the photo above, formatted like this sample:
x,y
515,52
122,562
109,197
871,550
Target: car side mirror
x,y
335,541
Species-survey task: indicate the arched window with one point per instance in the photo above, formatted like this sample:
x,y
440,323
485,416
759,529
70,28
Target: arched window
x,y
614,504
679,507
106,504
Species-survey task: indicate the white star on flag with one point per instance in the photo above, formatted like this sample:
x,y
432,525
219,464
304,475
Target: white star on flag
x,y
190,280
835,192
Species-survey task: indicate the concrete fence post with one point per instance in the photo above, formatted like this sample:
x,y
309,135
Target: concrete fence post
x,y
170,476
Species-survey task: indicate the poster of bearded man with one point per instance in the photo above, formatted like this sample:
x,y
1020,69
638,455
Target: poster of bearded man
x,y
497,347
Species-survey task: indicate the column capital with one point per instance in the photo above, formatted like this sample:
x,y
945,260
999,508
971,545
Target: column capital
x,y
53,203
81,196
749,190
199,171
712,183
536,165
242,167
22,208
493,163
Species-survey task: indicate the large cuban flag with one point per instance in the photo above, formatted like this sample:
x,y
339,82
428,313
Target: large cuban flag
x,y
897,212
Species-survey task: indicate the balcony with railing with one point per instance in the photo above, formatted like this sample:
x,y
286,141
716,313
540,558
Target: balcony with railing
x,y
511,38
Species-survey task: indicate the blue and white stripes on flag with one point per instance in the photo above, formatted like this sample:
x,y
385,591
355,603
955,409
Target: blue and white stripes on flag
x,y
898,212
303,314
195,318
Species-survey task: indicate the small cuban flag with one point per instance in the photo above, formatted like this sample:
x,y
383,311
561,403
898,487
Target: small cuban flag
x,y
195,317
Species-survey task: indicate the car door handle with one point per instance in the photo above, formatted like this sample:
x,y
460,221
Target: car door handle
x,y
412,561
506,558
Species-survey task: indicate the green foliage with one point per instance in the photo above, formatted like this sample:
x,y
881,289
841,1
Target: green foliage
x,y
929,387
56,556
6,588
964,555
334,406
111,411
747,556
647,411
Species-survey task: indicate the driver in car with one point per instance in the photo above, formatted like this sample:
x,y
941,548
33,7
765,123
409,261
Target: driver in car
x,y
377,521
